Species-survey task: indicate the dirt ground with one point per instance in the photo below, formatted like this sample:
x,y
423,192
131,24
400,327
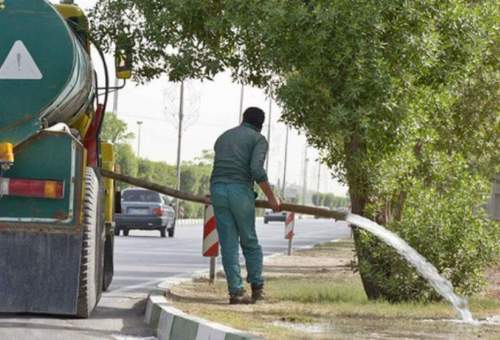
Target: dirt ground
x,y
315,294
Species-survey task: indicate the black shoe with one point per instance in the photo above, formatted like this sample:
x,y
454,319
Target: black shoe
x,y
257,293
239,298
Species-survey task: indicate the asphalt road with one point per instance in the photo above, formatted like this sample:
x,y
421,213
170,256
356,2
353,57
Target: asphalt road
x,y
142,261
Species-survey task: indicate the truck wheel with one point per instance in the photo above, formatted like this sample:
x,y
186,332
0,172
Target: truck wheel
x,y
162,232
125,232
90,283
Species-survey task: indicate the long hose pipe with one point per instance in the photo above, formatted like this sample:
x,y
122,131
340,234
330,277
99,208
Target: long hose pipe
x,y
300,209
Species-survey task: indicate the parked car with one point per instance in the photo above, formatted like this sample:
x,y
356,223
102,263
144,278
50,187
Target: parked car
x,y
270,216
145,210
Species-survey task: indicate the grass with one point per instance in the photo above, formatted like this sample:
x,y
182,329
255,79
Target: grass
x,y
323,291
315,288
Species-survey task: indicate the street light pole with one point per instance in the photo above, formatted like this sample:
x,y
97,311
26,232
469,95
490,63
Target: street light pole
x,y
269,133
286,162
319,179
115,100
139,124
304,183
242,95
179,144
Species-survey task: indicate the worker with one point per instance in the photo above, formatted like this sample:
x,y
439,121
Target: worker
x,y
239,162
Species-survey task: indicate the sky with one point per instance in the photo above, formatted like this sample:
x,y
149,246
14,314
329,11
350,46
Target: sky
x,y
211,107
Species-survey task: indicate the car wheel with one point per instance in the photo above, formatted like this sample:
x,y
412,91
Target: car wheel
x,y
125,232
266,221
117,231
171,232
163,232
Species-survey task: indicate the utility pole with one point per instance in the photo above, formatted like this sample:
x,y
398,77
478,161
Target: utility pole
x,y
269,133
319,178
139,124
286,161
179,143
304,183
115,98
242,96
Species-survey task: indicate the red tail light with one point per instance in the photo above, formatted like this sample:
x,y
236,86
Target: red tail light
x,y
159,211
32,188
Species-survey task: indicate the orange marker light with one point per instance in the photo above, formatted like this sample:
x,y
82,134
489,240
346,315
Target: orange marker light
x,y
54,189
6,153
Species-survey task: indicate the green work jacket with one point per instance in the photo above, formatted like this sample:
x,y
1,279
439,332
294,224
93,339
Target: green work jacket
x,y
240,154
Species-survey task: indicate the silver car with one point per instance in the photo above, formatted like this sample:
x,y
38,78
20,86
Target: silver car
x,y
270,216
145,210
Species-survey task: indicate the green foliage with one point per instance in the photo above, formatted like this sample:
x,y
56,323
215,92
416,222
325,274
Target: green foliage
x,y
114,130
445,221
126,161
329,200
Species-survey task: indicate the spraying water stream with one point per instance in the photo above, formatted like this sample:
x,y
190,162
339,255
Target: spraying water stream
x,y
424,267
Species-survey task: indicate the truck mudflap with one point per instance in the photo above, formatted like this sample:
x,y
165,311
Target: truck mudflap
x,y
39,272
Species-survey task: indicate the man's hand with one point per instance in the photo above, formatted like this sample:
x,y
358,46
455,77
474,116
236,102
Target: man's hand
x,y
275,203
208,200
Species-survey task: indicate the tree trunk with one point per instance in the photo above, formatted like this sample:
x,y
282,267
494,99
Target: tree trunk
x,y
359,190
364,257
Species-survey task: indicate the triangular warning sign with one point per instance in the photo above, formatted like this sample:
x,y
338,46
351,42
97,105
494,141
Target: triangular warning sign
x,y
19,64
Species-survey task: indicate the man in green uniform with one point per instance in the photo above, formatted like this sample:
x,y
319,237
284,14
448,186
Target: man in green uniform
x,y
239,162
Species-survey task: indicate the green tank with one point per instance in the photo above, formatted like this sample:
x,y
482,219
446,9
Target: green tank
x,y
46,75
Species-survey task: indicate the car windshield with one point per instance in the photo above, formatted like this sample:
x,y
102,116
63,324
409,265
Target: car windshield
x,y
141,196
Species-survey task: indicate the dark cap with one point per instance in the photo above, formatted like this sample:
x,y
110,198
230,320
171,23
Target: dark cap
x,y
254,116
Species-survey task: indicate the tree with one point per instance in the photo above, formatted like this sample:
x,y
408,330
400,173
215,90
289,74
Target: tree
x,y
316,199
388,90
115,130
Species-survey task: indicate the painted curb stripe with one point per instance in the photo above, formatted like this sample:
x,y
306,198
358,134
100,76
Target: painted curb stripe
x,y
165,326
184,328
153,309
171,324
206,332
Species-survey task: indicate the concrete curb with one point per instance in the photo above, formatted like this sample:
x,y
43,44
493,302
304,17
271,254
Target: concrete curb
x,y
172,323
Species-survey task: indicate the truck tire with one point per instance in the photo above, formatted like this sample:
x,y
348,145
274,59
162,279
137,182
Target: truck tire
x,y
90,287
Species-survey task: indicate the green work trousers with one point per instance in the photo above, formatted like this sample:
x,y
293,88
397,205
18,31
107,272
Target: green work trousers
x,y
234,208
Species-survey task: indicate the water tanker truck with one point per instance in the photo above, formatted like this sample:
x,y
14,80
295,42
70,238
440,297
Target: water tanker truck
x,y
56,210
